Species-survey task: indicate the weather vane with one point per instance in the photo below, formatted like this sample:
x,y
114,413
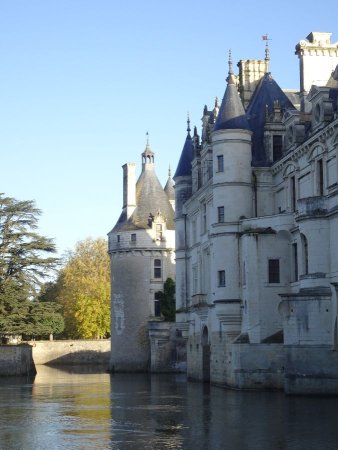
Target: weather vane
x,y
266,38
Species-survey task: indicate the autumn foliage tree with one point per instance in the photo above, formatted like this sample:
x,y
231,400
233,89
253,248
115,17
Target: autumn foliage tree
x,y
83,289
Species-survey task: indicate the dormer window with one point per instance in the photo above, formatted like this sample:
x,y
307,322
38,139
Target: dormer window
x,y
159,232
277,146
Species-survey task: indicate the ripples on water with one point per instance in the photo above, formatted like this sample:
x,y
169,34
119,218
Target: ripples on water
x,y
62,410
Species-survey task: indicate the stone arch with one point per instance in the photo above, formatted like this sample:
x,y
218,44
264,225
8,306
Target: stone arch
x,y
289,169
205,354
316,151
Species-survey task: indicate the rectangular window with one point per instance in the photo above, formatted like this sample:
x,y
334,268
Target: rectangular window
x,y
157,308
320,177
277,147
274,273
157,268
295,262
221,278
293,193
118,238
159,232
220,210
133,237
220,163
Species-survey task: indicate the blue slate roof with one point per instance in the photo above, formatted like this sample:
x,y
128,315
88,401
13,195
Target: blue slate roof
x,y
262,102
231,114
150,198
184,164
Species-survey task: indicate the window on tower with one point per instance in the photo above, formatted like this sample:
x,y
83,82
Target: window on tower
x,y
220,163
220,212
157,268
221,278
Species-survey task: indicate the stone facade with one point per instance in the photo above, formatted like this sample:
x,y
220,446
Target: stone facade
x,y
256,224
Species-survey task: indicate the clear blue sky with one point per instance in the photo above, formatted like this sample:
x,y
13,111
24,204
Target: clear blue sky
x,y
83,80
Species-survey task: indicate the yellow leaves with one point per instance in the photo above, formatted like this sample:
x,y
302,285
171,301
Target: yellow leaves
x,y
85,290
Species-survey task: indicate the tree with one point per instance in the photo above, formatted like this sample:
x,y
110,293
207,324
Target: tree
x,y
84,290
167,300
24,262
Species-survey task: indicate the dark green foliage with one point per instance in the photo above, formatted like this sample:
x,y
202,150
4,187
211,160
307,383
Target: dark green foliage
x,y
167,300
24,261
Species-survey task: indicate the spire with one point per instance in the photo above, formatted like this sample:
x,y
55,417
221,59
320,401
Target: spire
x,y
231,77
169,188
184,164
231,113
188,124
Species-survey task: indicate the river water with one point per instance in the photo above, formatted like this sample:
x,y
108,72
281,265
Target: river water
x,y
63,410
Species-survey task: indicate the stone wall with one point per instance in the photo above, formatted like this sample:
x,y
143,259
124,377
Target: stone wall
x,y
91,352
257,366
311,370
16,360
168,347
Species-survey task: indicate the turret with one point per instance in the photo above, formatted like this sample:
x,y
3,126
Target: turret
x,y
141,249
231,143
170,190
183,187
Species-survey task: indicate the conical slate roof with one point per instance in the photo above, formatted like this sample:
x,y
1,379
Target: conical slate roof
x,y
169,187
262,102
150,199
184,164
231,114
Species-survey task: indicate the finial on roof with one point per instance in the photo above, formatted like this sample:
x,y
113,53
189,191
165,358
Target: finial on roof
x,y
188,124
169,172
230,63
231,77
216,102
147,134
265,38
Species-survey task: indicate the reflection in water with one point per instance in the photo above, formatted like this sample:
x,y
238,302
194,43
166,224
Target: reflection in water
x,y
74,410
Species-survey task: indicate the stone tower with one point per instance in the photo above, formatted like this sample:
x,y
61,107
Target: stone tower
x,y
141,249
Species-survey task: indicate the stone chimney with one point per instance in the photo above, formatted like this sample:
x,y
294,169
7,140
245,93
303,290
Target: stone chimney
x,y
251,71
129,188
318,57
